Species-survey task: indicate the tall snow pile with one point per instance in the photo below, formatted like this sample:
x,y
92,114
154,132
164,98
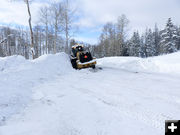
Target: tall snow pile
x,y
19,76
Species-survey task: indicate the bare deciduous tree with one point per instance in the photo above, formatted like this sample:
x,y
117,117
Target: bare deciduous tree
x,y
44,20
56,10
121,30
68,18
27,2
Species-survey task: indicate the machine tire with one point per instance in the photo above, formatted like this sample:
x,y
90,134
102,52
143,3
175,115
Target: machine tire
x,y
74,64
93,66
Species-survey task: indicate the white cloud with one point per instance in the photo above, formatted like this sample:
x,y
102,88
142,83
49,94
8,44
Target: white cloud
x,y
141,13
87,39
12,12
95,13
85,22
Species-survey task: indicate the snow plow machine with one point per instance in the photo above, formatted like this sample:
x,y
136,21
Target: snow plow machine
x,y
80,58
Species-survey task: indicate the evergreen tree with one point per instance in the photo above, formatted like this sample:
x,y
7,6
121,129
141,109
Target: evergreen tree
x,y
150,46
134,45
142,47
168,38
156,40
178,38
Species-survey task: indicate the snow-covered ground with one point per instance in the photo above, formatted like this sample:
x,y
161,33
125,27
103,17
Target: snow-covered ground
x,y
129,96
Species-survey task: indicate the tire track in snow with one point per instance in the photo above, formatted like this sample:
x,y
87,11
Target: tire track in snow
x,y
141,113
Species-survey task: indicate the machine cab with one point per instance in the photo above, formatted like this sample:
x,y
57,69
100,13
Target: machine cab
x,y
76,49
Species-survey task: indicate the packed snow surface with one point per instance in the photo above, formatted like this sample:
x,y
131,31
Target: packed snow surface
x,y
128,96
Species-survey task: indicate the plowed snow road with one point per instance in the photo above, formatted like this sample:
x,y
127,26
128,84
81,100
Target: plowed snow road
x,y
112,101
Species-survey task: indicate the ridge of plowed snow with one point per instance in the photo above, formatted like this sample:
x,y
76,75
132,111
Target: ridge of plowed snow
x,y
161,64
19,76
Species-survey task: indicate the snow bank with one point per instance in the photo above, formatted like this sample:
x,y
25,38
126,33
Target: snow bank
x,y
12,63
168,63
19,76
44,64
48,65
163,64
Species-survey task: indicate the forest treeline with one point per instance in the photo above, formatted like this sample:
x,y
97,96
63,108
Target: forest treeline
x,y
53,33
153,42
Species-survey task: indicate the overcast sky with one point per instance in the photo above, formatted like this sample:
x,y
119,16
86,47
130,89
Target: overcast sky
x,y
93,14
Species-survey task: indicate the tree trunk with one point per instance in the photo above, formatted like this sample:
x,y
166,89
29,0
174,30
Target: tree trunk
x,y
46,47
67,27
56,32
31,31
